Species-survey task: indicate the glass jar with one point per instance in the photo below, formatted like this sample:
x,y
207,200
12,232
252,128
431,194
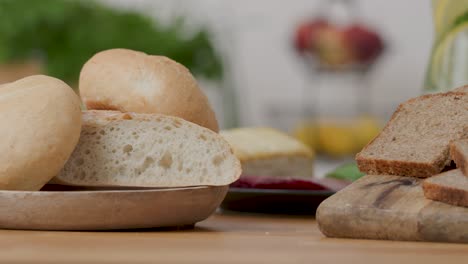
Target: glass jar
x,y
448,65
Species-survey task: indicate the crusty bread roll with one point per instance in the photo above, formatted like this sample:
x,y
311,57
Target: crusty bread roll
x,y
132,81
268,152
147,150
40,121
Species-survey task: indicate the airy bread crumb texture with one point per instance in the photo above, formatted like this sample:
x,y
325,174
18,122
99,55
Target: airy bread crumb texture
x,y
147,150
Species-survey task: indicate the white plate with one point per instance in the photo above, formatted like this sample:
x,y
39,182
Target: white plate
x,y
108,209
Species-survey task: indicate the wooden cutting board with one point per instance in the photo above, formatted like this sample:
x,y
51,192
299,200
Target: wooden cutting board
x,y
393,208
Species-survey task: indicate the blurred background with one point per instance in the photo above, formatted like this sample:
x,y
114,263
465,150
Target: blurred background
x,y
330,72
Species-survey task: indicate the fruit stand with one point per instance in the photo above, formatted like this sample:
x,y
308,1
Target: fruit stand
x,y
338,52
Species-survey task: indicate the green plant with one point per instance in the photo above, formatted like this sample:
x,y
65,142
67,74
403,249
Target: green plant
x,y
67,33
349,171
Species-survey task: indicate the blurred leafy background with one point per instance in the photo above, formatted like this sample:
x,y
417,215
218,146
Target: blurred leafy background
x,y
63,35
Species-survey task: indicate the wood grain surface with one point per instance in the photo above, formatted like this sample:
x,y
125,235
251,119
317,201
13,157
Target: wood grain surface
x,y
394,208
111,209
223,238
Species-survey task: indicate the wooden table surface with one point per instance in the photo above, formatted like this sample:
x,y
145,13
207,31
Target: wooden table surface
x,y
223,238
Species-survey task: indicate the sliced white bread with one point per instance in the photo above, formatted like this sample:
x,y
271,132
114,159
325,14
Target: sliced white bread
x,y
459,154
449,187
415,142
148,150
268,152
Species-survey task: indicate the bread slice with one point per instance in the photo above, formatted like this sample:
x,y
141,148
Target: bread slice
x,y
415,142
148,150
463,89
268,152
449,187
459,154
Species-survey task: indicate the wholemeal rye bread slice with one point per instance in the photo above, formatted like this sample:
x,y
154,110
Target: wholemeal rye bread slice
x,y
459,154
463,89
449,187
415,142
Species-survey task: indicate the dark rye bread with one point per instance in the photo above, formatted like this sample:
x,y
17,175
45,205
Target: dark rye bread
x,y
415,142
449,187
459,154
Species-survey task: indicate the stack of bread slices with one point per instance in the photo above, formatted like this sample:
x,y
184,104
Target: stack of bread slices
x,y
426,137
148,124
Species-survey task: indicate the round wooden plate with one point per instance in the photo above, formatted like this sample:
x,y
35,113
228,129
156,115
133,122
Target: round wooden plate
x,y
108,209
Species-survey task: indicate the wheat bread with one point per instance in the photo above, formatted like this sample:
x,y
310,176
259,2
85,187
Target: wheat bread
x,y
463,89
449,187
415,142
132,81
268,152
147,150
40,119
459,154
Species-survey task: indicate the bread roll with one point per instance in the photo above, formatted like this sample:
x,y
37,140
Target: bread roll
x,y
40,121
148,150
132,81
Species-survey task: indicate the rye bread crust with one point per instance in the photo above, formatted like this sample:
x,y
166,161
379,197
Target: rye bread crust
x,y
445,194
459,158
376,166
398,168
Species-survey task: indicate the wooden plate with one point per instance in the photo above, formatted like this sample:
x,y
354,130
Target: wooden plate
x,y
109,209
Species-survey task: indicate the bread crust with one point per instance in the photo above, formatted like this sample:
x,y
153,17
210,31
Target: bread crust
x,y
390,167
41,124
444,193
401,167
458,157
132,81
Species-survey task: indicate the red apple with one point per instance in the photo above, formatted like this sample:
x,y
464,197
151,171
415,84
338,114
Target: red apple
x,y
365,44
335,46
306,33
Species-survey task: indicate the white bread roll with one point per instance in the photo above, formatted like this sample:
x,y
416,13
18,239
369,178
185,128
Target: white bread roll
x,y
268,152
40,121
148,150
132,81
